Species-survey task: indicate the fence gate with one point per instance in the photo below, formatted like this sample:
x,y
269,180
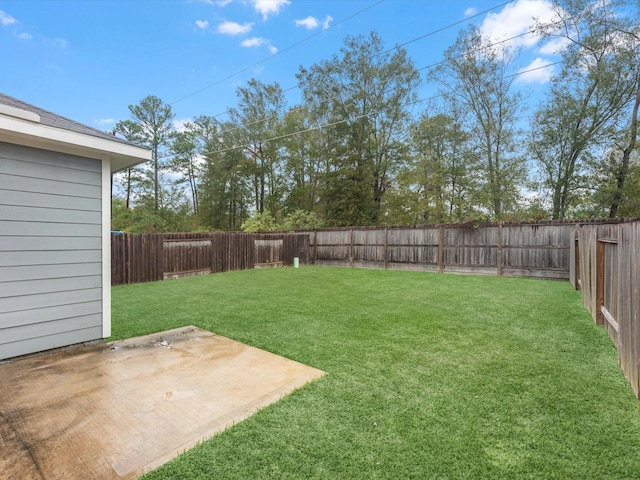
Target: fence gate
x,y
268,253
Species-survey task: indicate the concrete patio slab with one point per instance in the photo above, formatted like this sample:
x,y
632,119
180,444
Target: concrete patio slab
x,y
117,410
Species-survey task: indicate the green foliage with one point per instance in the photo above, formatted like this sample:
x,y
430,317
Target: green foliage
x,y
428,376
363,94
480,84
356,151
599,78
260,222
301,220
145,219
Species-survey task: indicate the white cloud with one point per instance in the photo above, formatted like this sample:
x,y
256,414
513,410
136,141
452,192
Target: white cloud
x,y
517,19
224,3
202,24
6,19
25,36
327,22
105,121
554,46
536,72
268,7
254,42
470,11
60,42
180,124
309,23
233,28
259,42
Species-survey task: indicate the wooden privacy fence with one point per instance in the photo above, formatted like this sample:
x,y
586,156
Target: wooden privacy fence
x,y
524,249
137,258
605,266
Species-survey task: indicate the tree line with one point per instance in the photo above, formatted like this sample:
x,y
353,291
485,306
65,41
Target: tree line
x,y
356,150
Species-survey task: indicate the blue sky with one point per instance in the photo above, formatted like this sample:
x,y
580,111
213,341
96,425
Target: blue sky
x,y
89,59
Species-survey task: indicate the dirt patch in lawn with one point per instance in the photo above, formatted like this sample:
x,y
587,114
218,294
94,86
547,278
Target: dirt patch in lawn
x,y
117,410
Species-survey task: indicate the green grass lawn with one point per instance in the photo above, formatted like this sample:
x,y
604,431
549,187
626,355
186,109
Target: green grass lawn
x,y
429,376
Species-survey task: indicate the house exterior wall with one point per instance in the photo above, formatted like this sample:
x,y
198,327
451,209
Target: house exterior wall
x,y
51,250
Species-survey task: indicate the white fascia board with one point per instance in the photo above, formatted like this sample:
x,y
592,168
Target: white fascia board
x,y
36,135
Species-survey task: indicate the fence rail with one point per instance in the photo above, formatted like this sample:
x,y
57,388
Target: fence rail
x,y
606,269
137,258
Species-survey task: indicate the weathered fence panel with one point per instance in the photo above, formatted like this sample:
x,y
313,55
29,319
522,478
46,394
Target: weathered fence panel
x,y
137,258
527,250
628,309
470,250
587,282
607,269
413,249
268,252
541,251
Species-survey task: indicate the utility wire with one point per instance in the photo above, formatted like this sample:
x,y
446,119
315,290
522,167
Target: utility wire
x,y
218,82
433,65
396,47
446,27
338,122
431,33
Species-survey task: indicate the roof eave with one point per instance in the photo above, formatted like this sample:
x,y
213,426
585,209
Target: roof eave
x,y
24,132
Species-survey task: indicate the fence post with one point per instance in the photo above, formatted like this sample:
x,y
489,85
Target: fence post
x,y
574,260
440,250
351,248
386,246
500,250
599,279
315,246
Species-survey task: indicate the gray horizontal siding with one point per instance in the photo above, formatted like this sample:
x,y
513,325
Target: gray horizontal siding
x,y
39,344
44,300
50,250
25,243
38,185
11,259
49,229
42,272
55,215
48,200
35,287
14,319
44,329
48,172
62,161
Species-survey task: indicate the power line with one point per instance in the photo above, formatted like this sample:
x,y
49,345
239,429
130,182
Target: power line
x,y
218,82
446,27
433,65
433,32
338,122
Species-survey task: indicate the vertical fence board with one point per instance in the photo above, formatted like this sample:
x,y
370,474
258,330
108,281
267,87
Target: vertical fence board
x,y
628,307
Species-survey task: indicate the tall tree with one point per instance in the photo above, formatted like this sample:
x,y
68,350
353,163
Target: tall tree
x,y
186,151
441,169
224,193
598,80
257,117
303,160
476,76
132,132
362,100
153,117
